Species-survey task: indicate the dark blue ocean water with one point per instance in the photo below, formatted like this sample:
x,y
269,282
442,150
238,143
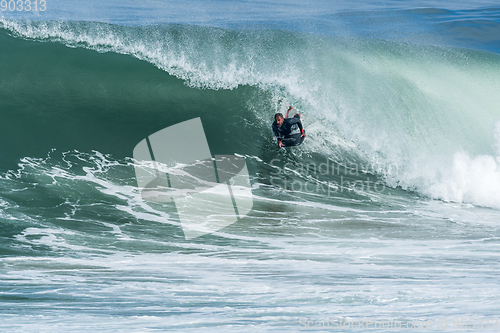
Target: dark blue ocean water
x,y
385,219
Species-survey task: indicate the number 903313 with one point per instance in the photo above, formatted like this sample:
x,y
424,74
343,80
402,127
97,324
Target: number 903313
x,y
23,5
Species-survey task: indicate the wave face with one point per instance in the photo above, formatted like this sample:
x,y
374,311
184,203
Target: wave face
x,y
424,115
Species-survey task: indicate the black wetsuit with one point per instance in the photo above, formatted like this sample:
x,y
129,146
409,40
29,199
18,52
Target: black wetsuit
x,y
289,133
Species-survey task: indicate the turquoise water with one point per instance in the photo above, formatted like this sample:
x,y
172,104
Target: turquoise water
x,y
388,212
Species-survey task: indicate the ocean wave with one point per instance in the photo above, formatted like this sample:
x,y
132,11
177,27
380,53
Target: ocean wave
x,y
424,111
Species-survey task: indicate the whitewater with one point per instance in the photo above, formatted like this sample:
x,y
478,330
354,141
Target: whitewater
x,y
384,219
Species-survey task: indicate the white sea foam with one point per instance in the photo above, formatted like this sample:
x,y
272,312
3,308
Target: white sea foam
x,y
470,179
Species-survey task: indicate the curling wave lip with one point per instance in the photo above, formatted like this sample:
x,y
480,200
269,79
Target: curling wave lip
x,y
209,193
